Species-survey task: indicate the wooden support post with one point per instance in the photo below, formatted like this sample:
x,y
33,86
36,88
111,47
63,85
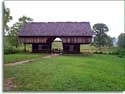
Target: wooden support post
x,y
24,47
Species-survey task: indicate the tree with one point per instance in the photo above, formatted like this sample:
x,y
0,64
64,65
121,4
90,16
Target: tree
x,y
13,35
100,28
6,28
100,39
25,19
15,29
7,18
109,41
121,40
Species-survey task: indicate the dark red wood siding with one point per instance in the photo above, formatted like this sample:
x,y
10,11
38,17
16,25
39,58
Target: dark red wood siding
x,y
80,40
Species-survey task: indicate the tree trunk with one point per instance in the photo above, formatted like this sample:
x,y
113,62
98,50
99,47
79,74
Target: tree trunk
x,y
16,43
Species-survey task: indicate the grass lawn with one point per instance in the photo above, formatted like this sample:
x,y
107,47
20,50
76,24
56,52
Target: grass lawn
x,y
10,58
69,73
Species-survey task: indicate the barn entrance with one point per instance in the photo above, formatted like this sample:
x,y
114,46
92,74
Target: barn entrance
x,y
57,45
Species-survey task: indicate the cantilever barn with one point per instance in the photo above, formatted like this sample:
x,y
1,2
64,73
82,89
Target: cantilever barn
x,y
42,34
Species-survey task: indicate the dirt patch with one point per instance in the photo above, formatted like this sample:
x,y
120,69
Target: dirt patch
x,y
8,84
17,63
51,55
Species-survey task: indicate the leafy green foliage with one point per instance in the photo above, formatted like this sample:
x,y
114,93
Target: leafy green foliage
x,y
8,45
109,41
11,34
121,40
15,29
25,19
12,50
121,52
100,28
7,18
11,40
8,50
101,39
70,73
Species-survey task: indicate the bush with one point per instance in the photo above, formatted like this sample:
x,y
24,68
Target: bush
x,y
121,52
12,50
113,53
8,50
9,47
99,52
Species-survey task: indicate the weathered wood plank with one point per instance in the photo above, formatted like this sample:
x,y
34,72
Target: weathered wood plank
x,y
33,40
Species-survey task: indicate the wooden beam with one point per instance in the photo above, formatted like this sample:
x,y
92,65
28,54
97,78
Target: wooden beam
x,y
24,47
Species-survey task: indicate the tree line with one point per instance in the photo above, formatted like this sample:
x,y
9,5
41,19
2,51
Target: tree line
x,y
101,39
11,40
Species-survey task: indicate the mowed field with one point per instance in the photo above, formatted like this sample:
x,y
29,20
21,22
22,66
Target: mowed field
x,y
66,73
83,72
11,58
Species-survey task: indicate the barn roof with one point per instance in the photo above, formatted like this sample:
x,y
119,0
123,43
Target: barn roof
x,y
56,29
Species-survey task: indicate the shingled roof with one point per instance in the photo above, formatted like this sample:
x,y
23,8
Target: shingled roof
x,y
56,29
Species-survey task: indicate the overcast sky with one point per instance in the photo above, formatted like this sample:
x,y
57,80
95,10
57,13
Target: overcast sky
x,y
109,12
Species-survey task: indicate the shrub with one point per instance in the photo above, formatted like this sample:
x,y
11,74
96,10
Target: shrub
x,y
12,50
121,52
100,52
113,53
8,50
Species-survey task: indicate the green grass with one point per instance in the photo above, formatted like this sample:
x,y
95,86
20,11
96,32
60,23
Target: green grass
x,y
11,58
70,73
89,48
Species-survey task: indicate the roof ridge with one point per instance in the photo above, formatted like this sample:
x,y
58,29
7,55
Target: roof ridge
x,y
58,22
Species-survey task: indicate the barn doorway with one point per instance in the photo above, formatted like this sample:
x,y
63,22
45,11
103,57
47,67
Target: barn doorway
x,y
57,45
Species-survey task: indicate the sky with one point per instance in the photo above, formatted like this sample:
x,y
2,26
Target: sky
x,y
110,13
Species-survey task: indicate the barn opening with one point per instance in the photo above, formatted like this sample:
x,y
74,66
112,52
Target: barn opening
x,y
57,45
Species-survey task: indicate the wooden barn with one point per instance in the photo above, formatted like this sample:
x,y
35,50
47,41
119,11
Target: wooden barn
x,y
42,34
